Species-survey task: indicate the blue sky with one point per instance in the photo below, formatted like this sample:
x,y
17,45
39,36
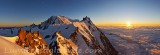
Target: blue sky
x,y
14,12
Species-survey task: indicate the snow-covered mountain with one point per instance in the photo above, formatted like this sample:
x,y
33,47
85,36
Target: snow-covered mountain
x,y
64,36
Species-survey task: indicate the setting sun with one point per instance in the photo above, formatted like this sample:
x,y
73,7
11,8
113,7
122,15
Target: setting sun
x,y
128,23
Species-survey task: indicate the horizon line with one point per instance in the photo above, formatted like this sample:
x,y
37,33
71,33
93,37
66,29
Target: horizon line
x,y
95,24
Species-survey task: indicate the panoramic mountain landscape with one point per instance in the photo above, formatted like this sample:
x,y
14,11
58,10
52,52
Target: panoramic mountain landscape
x,y
80,27
60,35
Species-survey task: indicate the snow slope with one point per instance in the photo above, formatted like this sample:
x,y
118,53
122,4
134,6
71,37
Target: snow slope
x,y
11,38
9,48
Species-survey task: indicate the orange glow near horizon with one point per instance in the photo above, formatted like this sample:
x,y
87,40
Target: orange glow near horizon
x,y
13,25
127,24
98,24
16,24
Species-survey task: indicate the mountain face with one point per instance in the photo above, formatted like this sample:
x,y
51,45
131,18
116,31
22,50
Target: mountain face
x,y
63,36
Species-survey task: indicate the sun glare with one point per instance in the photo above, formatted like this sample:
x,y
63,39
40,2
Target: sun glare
x,y
128,24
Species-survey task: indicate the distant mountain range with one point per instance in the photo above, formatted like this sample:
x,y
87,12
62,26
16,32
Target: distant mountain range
x,y
59,35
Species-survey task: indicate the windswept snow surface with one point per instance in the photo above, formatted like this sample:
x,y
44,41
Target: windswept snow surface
x,y
9,48
11,39
142,40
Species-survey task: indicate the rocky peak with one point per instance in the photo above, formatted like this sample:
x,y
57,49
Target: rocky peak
x,y
87,20
33,25
33,42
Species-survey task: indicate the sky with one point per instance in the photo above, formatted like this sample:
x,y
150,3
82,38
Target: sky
x,y
26,12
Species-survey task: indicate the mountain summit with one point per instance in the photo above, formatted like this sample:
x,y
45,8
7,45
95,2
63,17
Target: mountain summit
x,y
57,20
